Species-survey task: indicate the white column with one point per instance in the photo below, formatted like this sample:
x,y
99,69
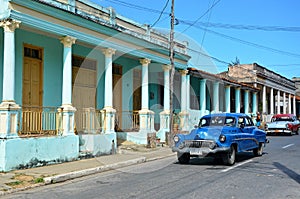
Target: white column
x,y
145,84
254,102
165,114
184,125
272,101
67,111
183,90
294,105
187,92
67,41
289,101
216,96
227,98
9,110
9,59
203,95
284,103
264,108
278,102
166,69
108,90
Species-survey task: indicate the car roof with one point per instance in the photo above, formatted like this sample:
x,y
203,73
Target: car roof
x,y
225,115
283,115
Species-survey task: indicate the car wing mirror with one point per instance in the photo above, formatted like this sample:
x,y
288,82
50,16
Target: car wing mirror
x,y
196,126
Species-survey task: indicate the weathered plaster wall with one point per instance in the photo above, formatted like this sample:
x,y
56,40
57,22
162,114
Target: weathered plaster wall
x,y
28,152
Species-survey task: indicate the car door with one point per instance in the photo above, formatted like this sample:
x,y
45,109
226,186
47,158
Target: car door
x,y
246,136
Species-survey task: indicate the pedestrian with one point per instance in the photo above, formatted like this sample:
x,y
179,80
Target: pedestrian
x,y
258,119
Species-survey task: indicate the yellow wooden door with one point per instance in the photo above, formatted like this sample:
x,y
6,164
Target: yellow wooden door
x,y
32,83
117,99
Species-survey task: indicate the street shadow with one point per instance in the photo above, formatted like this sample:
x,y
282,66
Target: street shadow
x,y
216,161
292,174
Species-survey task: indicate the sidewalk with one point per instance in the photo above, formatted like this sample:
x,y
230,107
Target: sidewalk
x,y
127,155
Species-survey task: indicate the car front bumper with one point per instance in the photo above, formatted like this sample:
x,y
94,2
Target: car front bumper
x,y
278,131
204,151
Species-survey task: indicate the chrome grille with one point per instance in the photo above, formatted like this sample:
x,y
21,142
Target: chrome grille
x,y
198,143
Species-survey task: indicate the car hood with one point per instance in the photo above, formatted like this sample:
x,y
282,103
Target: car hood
x,y
209,133
278,124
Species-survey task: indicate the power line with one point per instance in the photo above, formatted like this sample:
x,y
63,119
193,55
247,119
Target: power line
x,y
161,14
243,27
192,24
251,44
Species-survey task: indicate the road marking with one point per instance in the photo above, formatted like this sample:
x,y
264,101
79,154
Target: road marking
x,y
235,166
287,146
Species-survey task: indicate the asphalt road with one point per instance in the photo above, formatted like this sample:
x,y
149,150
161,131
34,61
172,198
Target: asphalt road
x,y
274,175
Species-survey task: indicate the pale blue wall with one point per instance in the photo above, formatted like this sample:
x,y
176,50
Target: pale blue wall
x,y
52,66
1,62
23,153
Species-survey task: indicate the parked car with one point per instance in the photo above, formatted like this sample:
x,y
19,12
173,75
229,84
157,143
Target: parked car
x,y
283,124
221,135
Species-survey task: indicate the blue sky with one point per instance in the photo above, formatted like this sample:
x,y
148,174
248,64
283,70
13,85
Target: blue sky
x,y
277,49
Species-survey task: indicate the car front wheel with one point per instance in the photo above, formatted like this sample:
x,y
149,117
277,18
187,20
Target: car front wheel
x,y
229,158
183,158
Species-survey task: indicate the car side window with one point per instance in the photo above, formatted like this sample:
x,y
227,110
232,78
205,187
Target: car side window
x,y
248,121
240,120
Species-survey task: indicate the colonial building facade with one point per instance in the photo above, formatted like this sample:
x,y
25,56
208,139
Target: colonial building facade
x,y
77,78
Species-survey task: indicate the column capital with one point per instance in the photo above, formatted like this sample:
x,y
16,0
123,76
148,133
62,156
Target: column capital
x,y
108,52
203,80
183,72
227,86
166,67
10,25
145,61
67,41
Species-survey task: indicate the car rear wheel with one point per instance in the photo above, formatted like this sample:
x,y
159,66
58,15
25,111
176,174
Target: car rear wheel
x,y
229,158
183,158
258,151
298,131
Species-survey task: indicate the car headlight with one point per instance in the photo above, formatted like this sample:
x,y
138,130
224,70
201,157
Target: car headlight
x,y
176,138
222,138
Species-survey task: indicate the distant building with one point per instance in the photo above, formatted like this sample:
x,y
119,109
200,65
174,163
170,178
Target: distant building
x,y
278,93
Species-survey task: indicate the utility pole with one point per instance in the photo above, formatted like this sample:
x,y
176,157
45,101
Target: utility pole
x,y
171,73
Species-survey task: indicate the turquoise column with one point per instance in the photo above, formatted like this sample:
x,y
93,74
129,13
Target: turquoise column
x,y
109,111
203,95
67,110
254,102
166,69
246,101
216,97
9,110
237,100
227,98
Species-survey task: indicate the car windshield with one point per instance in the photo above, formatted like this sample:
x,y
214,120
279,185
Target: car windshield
x,y
217,121
286,119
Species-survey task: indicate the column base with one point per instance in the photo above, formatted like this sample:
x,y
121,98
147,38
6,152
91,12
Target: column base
x,y
66,119
146,120
109,121
9,119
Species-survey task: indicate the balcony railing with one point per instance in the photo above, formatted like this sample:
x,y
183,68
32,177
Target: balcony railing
x,y
35,121
89,120
130,121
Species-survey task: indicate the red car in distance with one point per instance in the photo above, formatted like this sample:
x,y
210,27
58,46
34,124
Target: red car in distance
x,y
283,124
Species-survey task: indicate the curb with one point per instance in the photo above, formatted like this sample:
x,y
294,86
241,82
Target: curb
x,y
85,172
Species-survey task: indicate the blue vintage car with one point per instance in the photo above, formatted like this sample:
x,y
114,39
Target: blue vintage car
x,y
221,135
